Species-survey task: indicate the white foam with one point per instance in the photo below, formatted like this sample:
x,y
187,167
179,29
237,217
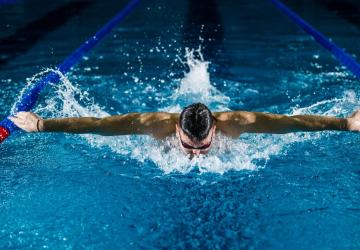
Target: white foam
x,y
250,152
196,86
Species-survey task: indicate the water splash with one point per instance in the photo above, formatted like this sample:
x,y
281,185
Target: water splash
x,y
250,152
332,107
196,86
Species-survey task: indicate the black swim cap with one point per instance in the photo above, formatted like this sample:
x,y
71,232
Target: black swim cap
x,y
196,121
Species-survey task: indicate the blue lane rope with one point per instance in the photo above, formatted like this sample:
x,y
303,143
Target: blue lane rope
x,y
344,58
28,100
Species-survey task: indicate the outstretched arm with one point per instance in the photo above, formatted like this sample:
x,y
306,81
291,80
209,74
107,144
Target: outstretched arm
x,y
237,122
157,124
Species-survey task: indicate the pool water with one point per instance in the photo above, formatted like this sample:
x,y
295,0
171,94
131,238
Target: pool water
x,y
292,191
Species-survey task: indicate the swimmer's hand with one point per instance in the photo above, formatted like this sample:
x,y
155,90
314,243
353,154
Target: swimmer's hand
x,y
28,121
353,121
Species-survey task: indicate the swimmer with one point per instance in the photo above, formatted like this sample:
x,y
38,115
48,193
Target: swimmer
x,y
195,127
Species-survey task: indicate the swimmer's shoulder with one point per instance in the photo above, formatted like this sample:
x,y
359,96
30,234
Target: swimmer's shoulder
x,y
164,124
166,118
238,117
232,123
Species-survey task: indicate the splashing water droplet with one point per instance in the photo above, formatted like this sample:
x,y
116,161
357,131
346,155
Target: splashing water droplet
x,y
250,152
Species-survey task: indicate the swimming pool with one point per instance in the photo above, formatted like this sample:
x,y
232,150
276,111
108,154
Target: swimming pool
x,y
294,191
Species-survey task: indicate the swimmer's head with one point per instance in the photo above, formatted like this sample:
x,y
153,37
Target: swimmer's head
x,y
196,129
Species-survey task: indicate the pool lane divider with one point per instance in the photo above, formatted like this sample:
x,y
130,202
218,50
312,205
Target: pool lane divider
x,y
29,98
344,58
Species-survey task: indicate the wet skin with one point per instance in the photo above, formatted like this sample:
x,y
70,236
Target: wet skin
x,y
162,124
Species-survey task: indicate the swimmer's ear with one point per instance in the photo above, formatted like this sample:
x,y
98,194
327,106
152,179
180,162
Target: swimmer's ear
x,y
177,130
214,127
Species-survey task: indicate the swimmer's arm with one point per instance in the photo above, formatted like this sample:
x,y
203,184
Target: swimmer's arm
x,y
237,122
157,124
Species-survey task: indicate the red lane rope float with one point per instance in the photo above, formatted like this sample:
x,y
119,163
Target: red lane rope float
x,y
4,133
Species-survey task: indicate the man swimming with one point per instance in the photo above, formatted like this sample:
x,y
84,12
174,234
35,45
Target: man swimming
x,y
195,126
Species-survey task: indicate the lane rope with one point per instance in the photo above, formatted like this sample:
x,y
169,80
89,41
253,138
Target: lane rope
x,y
344,58
29,98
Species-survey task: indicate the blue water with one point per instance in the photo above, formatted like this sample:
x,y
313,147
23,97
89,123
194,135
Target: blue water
x,y
293,191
